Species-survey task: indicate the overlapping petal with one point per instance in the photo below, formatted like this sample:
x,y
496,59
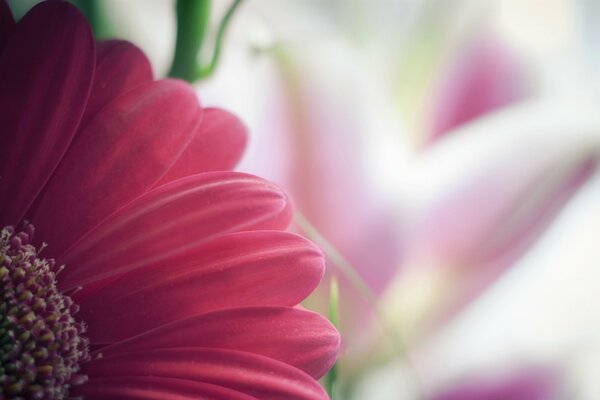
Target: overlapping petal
x,y
256,375
155,388
217,146
485,77
300,338
243,269
172,220
46,73
527,384
100,171
7,24
120,67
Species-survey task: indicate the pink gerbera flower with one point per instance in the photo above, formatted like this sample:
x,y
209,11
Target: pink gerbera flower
x,y
173,278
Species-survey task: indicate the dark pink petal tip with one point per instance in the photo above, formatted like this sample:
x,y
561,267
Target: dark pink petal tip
x,y
120,67
7,24
46,73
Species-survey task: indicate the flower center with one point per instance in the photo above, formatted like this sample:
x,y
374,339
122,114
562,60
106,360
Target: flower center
x,y
41,344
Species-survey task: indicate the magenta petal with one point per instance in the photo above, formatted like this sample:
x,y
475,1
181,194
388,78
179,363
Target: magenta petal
x,y
258,376
120,67
217,146
172,220
7,24
46,72
486,77
153,388
297,337
244,269
121,154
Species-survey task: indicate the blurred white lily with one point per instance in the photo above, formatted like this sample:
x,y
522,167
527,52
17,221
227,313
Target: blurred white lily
x,y
482,197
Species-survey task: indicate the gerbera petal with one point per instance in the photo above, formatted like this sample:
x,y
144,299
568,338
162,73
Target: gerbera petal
x,y
243,269
172,220
46,73
297,337
7,23
249,373
120,66
217,146
126,148
154,388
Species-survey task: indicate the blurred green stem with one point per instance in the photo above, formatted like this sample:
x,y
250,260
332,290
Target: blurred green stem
x,y
192,20
329,382
92,9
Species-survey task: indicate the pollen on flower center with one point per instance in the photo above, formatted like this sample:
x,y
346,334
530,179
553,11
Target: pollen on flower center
x,y
41,344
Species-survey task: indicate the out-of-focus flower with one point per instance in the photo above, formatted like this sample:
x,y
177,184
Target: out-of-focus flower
x,y
319,163
482,77
526,384
511,184
177,278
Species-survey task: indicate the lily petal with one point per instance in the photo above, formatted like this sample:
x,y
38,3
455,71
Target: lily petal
x,y
485,77
46,73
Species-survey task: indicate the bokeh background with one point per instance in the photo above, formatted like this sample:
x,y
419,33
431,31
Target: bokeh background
x,y
444,155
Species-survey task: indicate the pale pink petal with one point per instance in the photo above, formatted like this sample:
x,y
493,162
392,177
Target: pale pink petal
x,y
128,146
120,67
258,376
217,146
478,229
153,388
297,337
484,77
46,73
533,384
172,220
244,269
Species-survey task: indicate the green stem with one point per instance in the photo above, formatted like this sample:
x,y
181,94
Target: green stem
x,y
192,19
207,70
92,9
329,382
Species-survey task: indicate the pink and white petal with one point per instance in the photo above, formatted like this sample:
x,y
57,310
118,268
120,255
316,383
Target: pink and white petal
x,y
7,24
217,146
153,388
301,338
533,383
258,376
46,73
130,144
485,77
171,221
120,67
272,268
